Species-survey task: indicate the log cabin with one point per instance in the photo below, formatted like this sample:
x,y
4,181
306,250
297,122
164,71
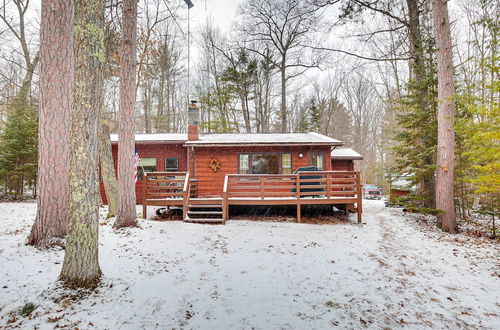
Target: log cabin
x,y
224,167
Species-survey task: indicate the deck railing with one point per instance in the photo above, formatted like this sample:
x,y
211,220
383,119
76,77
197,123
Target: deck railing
x,y
165,188
321,187
303,188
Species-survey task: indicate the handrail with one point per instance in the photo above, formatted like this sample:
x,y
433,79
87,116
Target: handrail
x,y
186,192
186,182
224,190
166,173
328,172
263,175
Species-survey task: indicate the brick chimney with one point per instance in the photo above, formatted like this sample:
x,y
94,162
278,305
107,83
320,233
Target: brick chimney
x,y
193,121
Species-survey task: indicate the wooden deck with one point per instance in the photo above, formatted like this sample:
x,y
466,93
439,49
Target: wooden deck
x,y
304,188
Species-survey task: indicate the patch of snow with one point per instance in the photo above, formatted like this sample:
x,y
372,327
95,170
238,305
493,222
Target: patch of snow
x,y
385,273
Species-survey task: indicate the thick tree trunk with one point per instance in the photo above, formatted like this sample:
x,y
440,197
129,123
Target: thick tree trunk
x,y
108,167
56,80
126,182
81,263
446,114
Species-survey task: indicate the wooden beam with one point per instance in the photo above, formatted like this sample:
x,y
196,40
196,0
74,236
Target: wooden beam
x,y
360,196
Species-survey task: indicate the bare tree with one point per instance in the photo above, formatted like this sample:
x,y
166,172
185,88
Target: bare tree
x,y
126,138
365,111
263,92
284,27
55,93
167,71
81,263
218,103
446,114
18,28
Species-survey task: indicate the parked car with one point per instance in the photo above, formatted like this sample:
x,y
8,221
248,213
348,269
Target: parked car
x,y
372,192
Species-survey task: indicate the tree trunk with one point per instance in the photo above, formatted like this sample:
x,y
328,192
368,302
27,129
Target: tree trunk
x,y
244,110
446,113
107,166
81,263
126,142
418,70
56,80
284,119
147,106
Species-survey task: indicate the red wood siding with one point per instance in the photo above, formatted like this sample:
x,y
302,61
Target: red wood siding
x,y
213,182
158,151
342,165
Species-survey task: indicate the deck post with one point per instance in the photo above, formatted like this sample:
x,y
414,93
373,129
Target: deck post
x,y
225,206
186,195
261,187
144,196
299,215
360,196
328,182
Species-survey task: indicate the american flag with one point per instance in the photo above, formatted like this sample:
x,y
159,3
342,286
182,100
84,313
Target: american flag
x,y
137,159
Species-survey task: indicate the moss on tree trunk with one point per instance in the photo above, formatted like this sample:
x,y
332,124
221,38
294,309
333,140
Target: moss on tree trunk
x,y
81,263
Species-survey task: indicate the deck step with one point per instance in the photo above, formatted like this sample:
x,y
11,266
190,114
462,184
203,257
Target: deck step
x,y
205,206
203,212
204,220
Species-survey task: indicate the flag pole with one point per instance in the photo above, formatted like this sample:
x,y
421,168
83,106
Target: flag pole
x,y
190,5
189,55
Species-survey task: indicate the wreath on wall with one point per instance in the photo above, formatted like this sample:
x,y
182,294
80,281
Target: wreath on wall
x,y
214,164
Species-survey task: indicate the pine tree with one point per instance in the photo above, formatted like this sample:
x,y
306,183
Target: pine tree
x,y
56,81
445,163
478,132
315,116
416,133
126,216
18,141
81,261
218,104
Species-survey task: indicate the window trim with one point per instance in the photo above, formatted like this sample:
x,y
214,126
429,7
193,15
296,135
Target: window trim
x,y
165,167
314,153
280,155
140,176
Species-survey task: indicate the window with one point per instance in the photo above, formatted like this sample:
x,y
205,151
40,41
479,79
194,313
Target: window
x,y
244,161
286,163
265,163
318,160
146,165
171,164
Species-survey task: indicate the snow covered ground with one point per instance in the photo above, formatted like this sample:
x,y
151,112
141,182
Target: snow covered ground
x,y
387,273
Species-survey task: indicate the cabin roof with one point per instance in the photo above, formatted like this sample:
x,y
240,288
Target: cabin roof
x,y
345,153
156,138
230,139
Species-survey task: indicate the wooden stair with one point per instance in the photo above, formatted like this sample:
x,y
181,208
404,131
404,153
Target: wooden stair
x,y
205,210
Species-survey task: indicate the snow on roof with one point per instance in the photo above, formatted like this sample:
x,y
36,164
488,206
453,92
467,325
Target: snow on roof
x,y
264,138
345,153
237,138
168,137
